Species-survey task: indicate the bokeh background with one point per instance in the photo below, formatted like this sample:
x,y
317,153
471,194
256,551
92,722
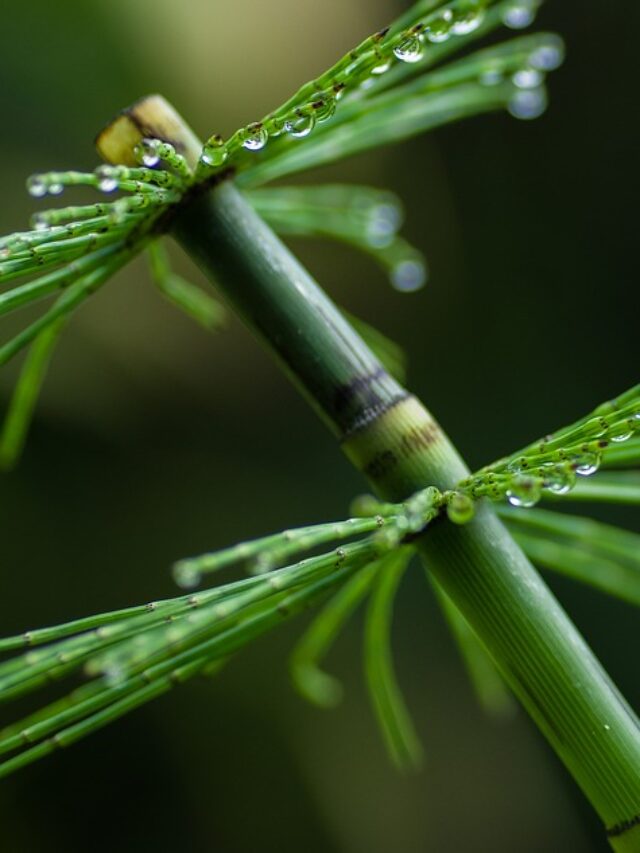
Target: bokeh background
x,y
154,440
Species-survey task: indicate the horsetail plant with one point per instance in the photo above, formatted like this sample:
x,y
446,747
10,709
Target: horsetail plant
x,y
473,532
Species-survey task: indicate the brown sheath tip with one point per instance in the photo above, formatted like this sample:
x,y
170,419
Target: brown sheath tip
x,y
152,117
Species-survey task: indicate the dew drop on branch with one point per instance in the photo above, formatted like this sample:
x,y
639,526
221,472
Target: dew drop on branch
x,y
383,66
214,152
621,434
528,103
254,137
409,275
548,57
146,152
524,491
518,15
527,78
300,125
587,464
440,30
409,49
559,479
107,179
468,20
324,106
36,187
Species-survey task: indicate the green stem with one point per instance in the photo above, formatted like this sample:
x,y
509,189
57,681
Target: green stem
x,y
342,378
391,437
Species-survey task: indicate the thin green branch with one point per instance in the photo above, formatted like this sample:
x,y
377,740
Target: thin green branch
x,y
311,681
589,551
619,487
74,295
394,719
362,217
192,300
21,407
142,683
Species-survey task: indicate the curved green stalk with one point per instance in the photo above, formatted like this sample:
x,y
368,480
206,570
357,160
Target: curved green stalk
x,y
25,395
394,719
312,683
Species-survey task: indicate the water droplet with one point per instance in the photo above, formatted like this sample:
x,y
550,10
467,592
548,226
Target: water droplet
x,y
254,137
559,479
107,178
621,433
409,49
39,221
524,491
390,213
527,78
467,20
300,125
460,508
384,220
528,103
518,15
146,152
214,152
338,90
186,575
108,185
548,57
440,30
586,464
382,67
324,106
55,188
409,275
36,187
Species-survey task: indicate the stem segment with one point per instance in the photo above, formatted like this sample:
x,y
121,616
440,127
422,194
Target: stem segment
x,y
389,436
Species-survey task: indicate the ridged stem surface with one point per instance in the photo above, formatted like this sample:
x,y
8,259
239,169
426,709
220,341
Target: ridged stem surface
x,y
394,441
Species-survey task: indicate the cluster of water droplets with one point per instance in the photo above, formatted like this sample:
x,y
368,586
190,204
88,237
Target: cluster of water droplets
x,y
529,98
460,507
297,124
143,187
50,183
375,57
407,266
461,21
556,464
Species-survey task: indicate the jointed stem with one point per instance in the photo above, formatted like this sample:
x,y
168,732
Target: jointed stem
x,y
389,436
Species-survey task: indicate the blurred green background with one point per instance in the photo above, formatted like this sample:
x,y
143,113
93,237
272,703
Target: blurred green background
x,y
155,441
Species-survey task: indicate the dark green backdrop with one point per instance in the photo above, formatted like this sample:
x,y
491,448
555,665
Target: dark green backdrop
x,y
154,441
